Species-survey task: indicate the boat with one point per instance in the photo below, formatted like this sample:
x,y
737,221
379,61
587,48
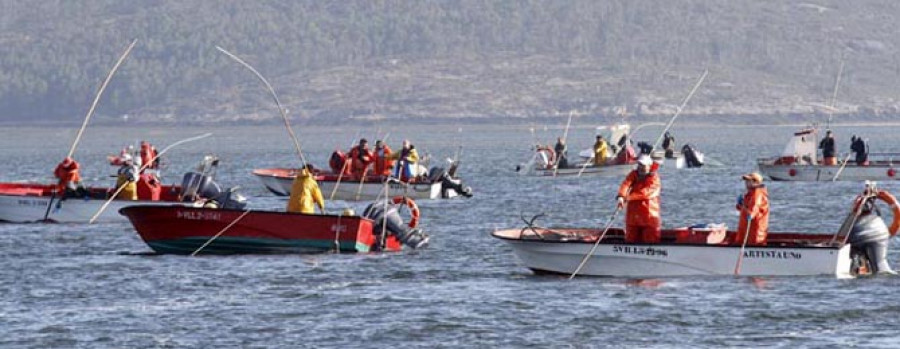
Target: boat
x,y
691,251
799,162
185,230
27,202
434,184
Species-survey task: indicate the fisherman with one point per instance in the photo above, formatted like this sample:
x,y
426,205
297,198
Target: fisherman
x,y
600,150
641,190
669,145
561,153
754,208
407,158
861,148
360,157
305,193
149,158
383,163
69,179
828,150
870,234
626,151
127,177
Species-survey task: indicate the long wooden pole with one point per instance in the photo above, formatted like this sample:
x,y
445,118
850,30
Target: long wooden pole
x,y
265,82
594,248
565,140
680,108
220,233
737,266
97,98
837,83
143,166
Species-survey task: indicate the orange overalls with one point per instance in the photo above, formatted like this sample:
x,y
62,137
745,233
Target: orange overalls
x,y
66,174
756,206
361,158
642,220
383,163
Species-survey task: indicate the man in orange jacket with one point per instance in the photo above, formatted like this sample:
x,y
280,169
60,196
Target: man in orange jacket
x,y
641,190
383,162
360,156
69,179
754,207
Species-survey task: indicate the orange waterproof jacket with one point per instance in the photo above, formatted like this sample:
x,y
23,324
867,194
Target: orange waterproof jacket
x,y
755,206
383,162
148,152
67,174
642,196
361,158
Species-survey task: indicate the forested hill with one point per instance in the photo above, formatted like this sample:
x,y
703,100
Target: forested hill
x,y
333,60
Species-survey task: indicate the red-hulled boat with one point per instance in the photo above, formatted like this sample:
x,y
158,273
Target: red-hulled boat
x,y
182,230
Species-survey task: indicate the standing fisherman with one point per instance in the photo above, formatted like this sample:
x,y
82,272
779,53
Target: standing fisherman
x,y
148,154
383,163
600,150
828,150
127,176
669,145
561,153
360,157
754,208
305,193
641,190
407,158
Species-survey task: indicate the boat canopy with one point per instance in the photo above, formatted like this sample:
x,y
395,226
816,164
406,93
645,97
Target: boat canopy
x,y
802,147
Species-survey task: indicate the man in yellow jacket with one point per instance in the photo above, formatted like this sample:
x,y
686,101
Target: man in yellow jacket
x,y
305,193
600,151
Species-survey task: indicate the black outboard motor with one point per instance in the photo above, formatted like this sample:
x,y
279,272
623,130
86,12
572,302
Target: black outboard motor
x,y
691,159
645,148
195,186
390,221
869,238
438,174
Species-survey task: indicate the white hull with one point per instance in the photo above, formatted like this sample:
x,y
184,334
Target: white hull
x,y
24,209
353,191
619,259
812,173
590,170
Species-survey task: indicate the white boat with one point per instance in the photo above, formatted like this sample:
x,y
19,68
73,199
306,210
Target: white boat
x,y
799,162
437,186
24,203
560,251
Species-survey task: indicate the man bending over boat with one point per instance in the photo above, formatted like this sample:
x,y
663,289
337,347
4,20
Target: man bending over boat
x,y
305,193
69,179
641,190
127,177
754,207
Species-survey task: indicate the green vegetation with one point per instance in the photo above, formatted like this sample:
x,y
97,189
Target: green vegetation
x,y
466,58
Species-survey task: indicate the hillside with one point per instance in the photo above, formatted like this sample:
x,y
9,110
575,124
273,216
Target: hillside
x,y
426,60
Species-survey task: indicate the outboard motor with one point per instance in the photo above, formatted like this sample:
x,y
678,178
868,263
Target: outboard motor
x,y
691,157
390,221
438,174
645,148
231,199
869,238
194,185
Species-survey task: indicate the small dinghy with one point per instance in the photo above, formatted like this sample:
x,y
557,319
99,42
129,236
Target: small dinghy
x,y
799,162
858,248
436,183
234,230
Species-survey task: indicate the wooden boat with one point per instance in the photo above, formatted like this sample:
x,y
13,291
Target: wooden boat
x,y
279,180
683,252
182,230
799,162
23,202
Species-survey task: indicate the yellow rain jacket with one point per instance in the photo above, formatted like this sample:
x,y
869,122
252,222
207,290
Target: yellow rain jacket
x,y
127,176
305,194
600,152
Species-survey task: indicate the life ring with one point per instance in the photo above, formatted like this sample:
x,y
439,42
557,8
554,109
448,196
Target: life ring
x,y
551,155
889,199
413,209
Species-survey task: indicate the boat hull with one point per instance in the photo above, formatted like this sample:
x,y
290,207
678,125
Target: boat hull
x,y
182,230
589,171
812,173
279,181
615,258
25,203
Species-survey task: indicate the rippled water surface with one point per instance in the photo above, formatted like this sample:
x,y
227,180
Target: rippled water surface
x,y
74,285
